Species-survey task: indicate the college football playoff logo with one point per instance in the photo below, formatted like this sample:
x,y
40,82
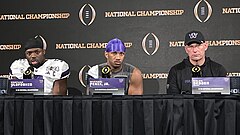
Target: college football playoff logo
x,y
202,11
82,76
87,14
148,43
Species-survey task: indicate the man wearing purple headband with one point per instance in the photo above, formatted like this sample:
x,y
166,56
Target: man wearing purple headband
x,y
115,53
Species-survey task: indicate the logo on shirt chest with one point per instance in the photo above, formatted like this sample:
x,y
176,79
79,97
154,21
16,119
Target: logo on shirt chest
x,y
51,70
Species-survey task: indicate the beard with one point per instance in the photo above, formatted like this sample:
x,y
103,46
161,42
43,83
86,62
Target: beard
x,y
36,65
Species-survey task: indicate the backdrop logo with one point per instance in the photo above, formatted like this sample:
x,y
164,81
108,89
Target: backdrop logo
x,y
202,11
155,75
87,14
230,10
212,43
150,44
233,74
7,47
34,16
82,76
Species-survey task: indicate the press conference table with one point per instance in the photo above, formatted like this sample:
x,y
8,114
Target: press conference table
x,y
120,115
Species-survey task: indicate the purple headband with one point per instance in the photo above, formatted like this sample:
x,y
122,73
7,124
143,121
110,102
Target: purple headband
x,y
115,45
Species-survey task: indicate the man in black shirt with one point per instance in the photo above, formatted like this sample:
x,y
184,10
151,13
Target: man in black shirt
x,y
179,79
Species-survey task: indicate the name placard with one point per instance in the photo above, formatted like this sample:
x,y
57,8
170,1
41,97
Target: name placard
x,y
115,86
27,86
210,85
107,83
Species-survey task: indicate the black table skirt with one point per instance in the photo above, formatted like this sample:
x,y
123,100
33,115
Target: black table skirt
x,y
120,115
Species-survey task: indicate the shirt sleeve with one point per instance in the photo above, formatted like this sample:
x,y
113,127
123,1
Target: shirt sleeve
x,y
93,71
222,71
16,69
172,87
65,70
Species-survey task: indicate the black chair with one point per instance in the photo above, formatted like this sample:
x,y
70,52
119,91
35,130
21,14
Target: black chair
x,y
74,91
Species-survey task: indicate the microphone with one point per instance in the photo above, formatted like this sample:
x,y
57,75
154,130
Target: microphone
x,y
28,74
196,71
185,92
4,86
106,72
